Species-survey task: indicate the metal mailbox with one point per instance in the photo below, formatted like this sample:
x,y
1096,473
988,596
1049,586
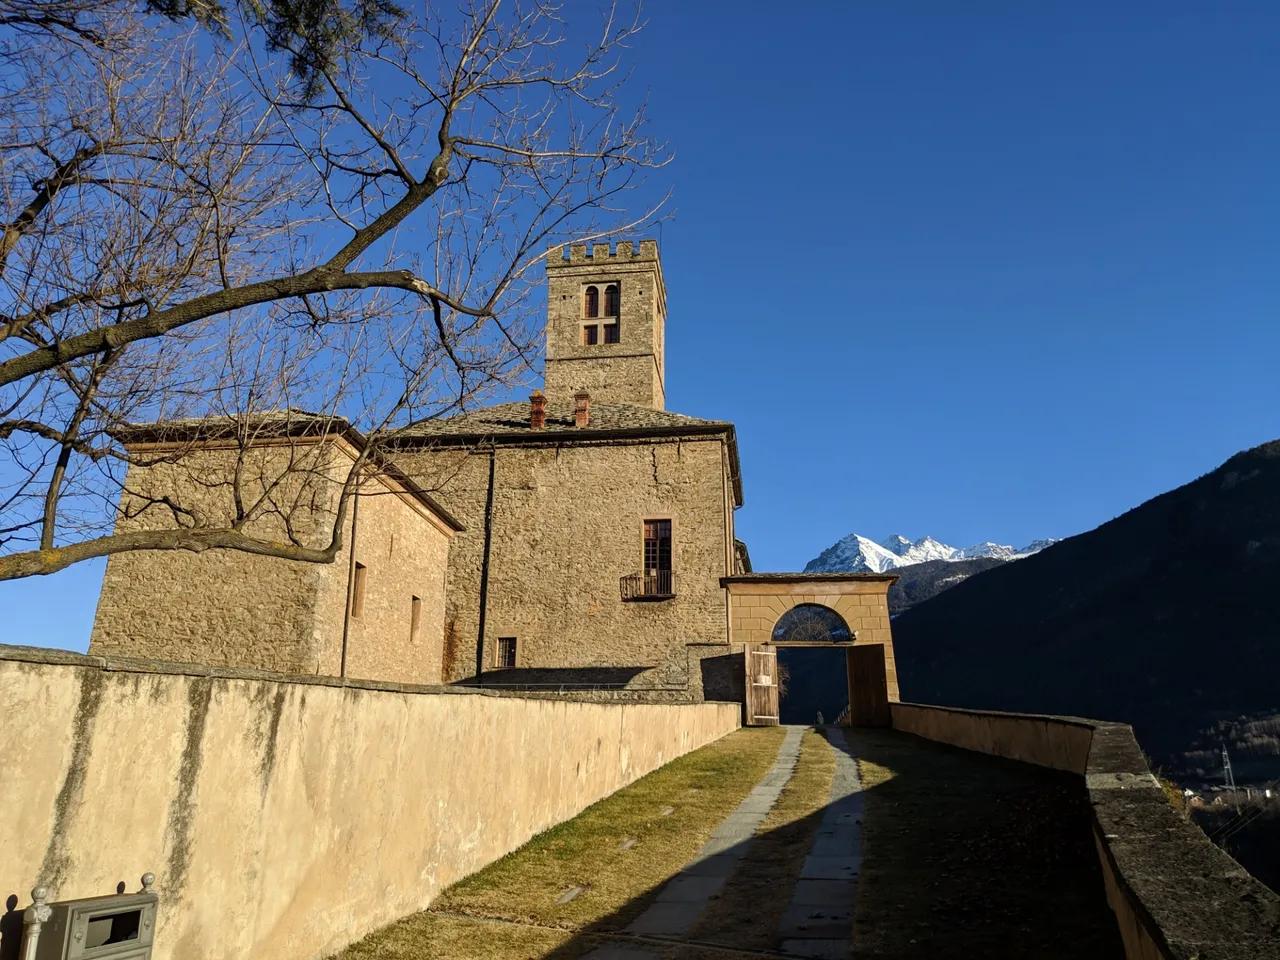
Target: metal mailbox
x,y
119,927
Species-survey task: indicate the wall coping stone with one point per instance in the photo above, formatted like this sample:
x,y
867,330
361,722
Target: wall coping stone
x,y
809,578
42,655
1176,895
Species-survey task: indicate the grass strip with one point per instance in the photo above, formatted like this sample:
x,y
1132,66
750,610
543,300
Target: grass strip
x,y
703,787
748,910
430,936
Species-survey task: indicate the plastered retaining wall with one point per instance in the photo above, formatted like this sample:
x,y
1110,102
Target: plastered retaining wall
x,y
1175,895
286,817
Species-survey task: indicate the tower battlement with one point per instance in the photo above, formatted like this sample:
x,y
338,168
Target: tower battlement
x,y
595,253
606,316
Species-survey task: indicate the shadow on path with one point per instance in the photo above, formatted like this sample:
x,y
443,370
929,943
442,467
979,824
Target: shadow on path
x,y
968,855
965,856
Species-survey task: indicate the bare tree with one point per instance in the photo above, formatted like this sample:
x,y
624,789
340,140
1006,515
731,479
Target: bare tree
x,y
345,220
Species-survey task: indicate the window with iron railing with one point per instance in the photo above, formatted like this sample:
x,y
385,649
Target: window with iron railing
x,y
657,546
656,580
660,585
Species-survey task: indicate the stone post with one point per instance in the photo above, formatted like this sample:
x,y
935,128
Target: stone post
x,y
33,918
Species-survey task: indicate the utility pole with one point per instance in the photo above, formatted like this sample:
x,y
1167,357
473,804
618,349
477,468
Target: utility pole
x,y
1230,777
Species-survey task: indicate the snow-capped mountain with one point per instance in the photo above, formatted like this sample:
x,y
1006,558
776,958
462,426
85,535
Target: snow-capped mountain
x,y
858,554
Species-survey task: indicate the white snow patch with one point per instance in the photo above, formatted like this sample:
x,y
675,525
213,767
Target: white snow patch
x,y
858,554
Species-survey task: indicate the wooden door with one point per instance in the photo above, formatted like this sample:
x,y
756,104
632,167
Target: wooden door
x,y
762,686
868,688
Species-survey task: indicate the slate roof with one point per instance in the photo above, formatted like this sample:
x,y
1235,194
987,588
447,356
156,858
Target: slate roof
x,y
513,418
288,422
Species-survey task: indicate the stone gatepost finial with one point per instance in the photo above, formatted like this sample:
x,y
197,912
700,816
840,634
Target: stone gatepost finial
x,y
33,918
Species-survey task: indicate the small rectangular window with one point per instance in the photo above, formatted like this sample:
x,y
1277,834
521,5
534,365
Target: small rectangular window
x,y
357,591
506,652
591,335
415,618
610,333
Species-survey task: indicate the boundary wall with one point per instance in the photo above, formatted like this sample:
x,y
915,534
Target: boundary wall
x,y
1175,895
285,816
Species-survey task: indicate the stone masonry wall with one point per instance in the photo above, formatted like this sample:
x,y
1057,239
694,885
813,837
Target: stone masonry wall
x,y
609,379
220,607
566,525
405,555
235,609
630,371
756,607
283,818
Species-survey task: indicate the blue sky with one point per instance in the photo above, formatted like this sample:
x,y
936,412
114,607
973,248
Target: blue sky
x,y
984,271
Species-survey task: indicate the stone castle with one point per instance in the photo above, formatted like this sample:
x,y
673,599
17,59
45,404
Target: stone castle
x,y
320,762
583,537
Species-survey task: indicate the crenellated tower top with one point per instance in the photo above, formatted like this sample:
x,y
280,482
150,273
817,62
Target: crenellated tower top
x,y
606,317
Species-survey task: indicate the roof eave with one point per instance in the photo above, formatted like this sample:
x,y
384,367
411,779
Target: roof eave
x,y
559,436
221,429
421,495
735,466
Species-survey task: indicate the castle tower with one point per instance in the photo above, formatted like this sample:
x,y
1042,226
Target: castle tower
x,y
606,317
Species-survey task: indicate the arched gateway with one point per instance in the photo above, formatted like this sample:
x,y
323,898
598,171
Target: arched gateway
x,y
850,610
810,623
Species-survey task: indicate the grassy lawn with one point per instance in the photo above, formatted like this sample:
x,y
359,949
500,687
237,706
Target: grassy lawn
x,y
699,790
429,936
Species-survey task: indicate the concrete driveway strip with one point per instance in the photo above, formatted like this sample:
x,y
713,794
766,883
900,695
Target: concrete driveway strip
x,y
819,920
684,897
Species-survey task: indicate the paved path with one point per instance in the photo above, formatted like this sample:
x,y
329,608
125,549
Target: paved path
x,y
819,920
969,856
684,897
960,856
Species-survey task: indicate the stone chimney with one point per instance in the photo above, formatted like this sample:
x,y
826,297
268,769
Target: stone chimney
x,y
581,409
537,410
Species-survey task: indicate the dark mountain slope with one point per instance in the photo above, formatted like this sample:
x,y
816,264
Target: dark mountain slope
x,y
1167,617
918,582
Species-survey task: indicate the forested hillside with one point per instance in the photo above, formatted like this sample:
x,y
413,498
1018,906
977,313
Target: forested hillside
x,y
1167,617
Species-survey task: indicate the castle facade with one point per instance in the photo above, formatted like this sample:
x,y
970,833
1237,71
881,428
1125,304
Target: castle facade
x,y
582,538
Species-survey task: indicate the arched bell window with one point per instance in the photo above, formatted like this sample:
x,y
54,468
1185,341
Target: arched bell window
x,y
811,623
611,300
591,305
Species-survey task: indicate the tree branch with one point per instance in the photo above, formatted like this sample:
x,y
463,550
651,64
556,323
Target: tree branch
x,y
317,281
45,561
